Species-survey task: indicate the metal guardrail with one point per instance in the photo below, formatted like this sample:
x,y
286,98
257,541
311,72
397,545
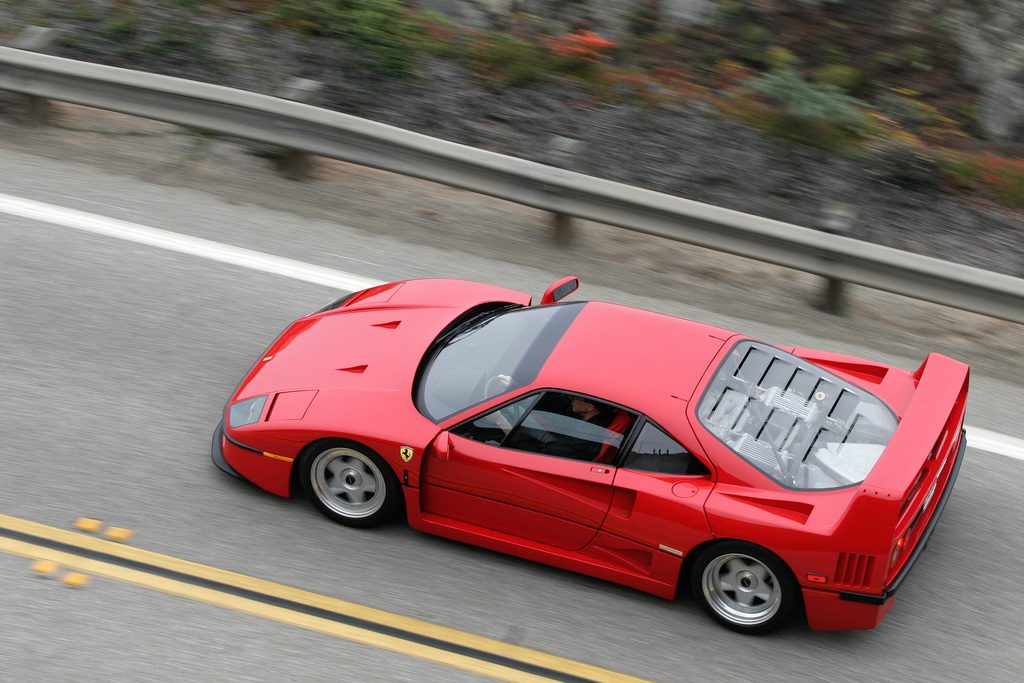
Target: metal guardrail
x,y
326,133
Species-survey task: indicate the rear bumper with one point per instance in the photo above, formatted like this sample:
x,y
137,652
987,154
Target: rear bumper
x,y
846,610
922,542
827,611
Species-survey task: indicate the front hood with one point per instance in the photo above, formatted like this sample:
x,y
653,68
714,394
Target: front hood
x,y
375,343
366,349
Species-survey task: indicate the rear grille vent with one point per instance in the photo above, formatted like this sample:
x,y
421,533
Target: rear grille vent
x,y
854,570
913,490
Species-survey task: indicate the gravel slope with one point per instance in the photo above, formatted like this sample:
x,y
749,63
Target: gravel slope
x,y
689,151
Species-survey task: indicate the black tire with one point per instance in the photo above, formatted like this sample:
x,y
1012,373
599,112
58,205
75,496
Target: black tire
x,y
744,587
349,483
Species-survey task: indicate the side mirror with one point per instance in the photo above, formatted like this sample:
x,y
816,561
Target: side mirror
x,y
560,289
443,446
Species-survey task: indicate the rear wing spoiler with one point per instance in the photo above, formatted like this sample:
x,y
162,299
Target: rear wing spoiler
x,y
911,482
928,430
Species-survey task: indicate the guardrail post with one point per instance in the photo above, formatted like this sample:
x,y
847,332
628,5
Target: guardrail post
x,y
563,155
837,219
37,39
292,163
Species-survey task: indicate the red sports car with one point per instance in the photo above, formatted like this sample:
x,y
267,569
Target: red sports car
x,y
624,444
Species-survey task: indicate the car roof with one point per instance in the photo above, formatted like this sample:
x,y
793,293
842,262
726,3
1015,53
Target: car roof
x,y
631,356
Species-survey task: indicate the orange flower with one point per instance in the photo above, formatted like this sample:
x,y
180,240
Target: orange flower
x,y
582,45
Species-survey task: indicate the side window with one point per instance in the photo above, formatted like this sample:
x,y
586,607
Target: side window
x,y
571,426
493,427
656,451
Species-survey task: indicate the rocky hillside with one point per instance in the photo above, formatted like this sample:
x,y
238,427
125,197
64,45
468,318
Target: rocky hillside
x,y
769,107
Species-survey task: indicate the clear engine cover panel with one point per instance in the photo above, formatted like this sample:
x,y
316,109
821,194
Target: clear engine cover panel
x,y
794,421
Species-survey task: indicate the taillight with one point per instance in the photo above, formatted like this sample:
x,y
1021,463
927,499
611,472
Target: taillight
x,y
897,550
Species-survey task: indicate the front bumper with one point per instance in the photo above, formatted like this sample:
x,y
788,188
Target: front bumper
x,y
217,452
266,470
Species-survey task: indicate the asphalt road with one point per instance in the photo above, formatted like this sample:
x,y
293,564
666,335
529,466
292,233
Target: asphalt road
x,y
115,360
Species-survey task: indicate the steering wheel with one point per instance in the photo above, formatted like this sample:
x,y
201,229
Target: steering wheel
x,y
496,385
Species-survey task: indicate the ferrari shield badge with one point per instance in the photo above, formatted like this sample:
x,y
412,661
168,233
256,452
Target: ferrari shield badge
x,y
406,452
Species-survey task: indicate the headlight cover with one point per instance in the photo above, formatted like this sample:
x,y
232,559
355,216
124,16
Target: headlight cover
x,y
246,412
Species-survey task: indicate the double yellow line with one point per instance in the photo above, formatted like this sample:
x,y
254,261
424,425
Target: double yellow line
x,y
293,606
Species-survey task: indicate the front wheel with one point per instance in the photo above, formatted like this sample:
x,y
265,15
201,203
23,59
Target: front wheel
x,y
350,484
744,587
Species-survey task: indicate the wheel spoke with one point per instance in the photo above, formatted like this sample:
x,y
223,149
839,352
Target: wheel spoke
x,y
744,598
741,589
349,483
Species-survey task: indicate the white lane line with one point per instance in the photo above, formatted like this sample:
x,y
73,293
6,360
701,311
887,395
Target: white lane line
x,y
185,244
981,439
994,442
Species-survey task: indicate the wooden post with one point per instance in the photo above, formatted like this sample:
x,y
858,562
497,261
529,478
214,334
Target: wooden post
x,y
292,163
38,111
837,219
562,154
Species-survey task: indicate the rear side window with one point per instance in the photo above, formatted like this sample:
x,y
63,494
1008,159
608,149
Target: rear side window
x,y
656,451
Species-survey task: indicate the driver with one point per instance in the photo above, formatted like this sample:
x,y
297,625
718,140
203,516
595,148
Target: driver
x,y
585,409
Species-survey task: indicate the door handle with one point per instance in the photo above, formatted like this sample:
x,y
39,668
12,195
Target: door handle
x,y
600,470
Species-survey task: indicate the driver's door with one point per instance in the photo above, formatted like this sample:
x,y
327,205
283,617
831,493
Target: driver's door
x,y
473,474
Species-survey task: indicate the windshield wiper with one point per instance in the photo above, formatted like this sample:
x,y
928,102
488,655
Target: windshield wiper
x,y
472,323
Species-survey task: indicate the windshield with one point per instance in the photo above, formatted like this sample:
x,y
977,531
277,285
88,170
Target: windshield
x,y
794,421
488,356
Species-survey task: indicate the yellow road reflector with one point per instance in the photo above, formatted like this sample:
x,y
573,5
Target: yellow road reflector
x,y
45,567
88,524
116,533
76,580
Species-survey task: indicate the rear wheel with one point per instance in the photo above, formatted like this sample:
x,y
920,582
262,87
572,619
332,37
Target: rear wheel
x,y
744,587
350,484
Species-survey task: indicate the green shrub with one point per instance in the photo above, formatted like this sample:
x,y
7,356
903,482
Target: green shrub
x,y
817,114
120,27
906,165
921,118
960,170
506,58
1004,178
381,27
781,58
643,21
842,76
915,55
753,40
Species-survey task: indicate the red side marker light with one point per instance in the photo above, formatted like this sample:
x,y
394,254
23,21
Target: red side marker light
x,y
817,578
